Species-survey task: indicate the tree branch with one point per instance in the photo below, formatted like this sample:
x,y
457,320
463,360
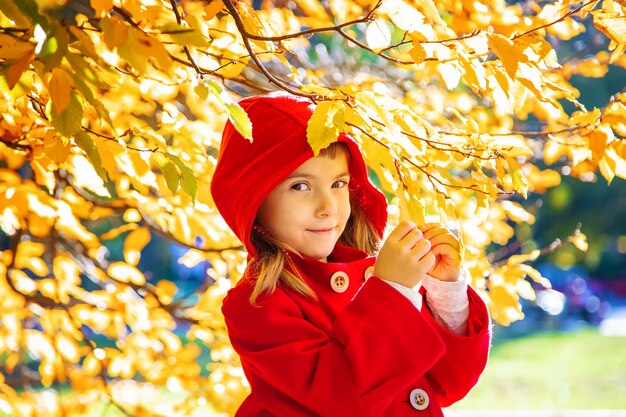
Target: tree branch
x,y
16,146
244,34
179,20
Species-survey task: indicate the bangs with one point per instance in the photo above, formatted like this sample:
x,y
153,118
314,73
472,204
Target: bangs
x,y
334,149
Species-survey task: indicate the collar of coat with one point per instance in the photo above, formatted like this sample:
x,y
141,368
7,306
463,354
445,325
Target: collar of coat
x,y
356,264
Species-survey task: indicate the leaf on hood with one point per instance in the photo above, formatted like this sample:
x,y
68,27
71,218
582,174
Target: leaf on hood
x,y
325,124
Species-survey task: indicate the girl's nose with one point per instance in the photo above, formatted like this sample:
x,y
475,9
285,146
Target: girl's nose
x,y
326,205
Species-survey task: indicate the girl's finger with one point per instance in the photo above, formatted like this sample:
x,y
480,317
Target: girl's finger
x,y
444,239
428,261
421,248
401,231
430,226
447,252
412,238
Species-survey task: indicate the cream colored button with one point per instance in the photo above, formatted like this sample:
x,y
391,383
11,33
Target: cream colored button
x,y
369,272
419,399
339,281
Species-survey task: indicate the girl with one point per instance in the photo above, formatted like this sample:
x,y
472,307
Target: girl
x,y
322,326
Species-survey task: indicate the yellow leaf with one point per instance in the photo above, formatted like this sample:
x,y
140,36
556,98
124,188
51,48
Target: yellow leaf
x,y
60,86
67,348
507,51
15,69
56,148
102,7
22,282
357,117
115,32
13,12
450,74
598,140
113,233
607,166
48,288
429,8
617,53
516,212
39,345
580,241
544,179
411,208
418,53
325,124
170,340
314,8
617,152
12,48
212,9
166,290
120,366
504,305
583,118
377,35
252,23
591,68
525,290
65,270
407,18
140,47
534,275
518,259
475,75
132,215
69,120
186,35
239,118
613,26
344,10
83,43
134,243
29,249
126,273
91,365
530,76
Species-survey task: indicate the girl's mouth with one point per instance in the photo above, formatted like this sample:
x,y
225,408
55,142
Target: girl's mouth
x,y
321,230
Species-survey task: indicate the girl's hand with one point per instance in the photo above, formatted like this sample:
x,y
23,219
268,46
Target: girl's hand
x,y
446,250
404,257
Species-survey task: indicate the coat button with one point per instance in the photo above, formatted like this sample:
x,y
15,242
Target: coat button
x,y
339,281
369,272
419,399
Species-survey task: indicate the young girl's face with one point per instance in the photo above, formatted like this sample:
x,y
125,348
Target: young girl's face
x,y
309,210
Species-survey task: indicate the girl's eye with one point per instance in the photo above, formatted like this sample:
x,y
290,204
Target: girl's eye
x,y
340,184
300,186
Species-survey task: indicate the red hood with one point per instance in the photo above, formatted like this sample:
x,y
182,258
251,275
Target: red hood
x,y
247,171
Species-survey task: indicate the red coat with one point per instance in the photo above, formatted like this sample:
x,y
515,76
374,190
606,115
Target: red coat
x,y
361,348
362,352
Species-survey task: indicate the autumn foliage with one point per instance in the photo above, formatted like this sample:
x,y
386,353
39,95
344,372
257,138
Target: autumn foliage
x,y
111,113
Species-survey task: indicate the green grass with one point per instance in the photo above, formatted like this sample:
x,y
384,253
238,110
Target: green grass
x,y
581,370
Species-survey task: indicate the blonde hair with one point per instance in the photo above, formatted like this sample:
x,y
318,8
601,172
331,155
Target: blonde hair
x,y
272,265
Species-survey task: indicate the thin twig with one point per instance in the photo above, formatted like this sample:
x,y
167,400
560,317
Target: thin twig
x,y
568,14
100,135
179,20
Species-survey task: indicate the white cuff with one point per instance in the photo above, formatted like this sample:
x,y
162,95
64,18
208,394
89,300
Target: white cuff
x,y
411,293
448,301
